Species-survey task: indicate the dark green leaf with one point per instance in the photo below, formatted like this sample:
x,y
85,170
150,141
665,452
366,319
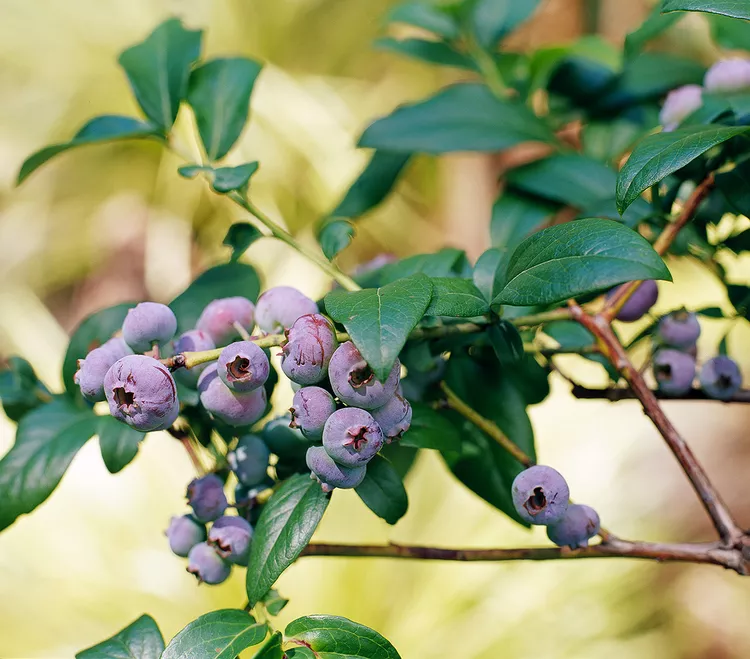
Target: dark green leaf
x,y
434,52
239,237
141,639
489,273
463,117
108,128
226,280
271,648
20,389
300,653
430,430
608,140
286,525
426,15
739,296
514,217
222,179
506,342
734,8
219,93
379,319
383,491
334,236
710,312
723,345
574,336
493,19
401,457
331,637
457,298
217,635
579,79
447,262
47,440
577,258
659,155
655,25
735,186
158,70
274,602
118,443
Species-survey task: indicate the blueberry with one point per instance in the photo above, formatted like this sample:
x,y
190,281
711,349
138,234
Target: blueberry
x,y
354,382
310,410
232,407
192,341
352,437
311,342
249,460
206,497
330,474
721,377
148,323
679,329
730,75
243,366
679,104
674,371
394,418
206,564
578,525
639,302
219,317
142,393
184,533
540,495
279,307
231,537
92,369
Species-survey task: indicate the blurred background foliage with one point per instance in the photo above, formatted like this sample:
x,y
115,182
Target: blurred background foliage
x,y
115,223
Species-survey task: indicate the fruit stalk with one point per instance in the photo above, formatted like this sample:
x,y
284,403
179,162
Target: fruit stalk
x,y
622,393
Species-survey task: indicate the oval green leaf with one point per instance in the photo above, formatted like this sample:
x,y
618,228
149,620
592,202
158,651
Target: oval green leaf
x,y
334,236
332,637
271,648
456,298
217,635
141,639
733,8
430,430
383,491
239,237
118,443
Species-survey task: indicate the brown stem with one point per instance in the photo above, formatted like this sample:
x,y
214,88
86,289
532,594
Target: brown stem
x,y
621,393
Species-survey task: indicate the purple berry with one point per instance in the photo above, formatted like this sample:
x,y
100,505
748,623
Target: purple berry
x,y
206,497
331,474
184,533
249,460
142,393
219,317
674,371
310,410
679,329
639,302
730,75
148,323
206,564
679,104
354,382
92,369
311,342
232,407
351,437
192,341
243,366
721,377
578,525
279,307
231,537
540,495
394,418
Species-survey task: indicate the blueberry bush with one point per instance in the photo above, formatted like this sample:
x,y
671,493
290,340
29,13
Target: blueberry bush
x,y
644,158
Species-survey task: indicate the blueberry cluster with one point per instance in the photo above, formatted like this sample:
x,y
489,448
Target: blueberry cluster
x,y
541,496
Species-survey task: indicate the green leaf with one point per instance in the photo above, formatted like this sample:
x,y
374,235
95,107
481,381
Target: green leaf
x,y
107,128
379,319
447,262
239,237
427,16
577,258
514,217
20,389
141,639
271,648
219,93
734,8
334,236
274,602
158,70
91,333
489,273
434,52
463,117
735,186
728,32
383,491
739,296
226,280
457,298
574,336
430,430
222,179
654,26
47,440
118,443
710,312
217,635
506,342
608,140
286,525
493,19
300,653
657,156
331,637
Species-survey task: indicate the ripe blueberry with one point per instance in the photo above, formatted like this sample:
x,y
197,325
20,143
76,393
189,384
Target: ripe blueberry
x,y
679,329
279,307
329,473
243,366
206,497
92,369
311,342
249,460
394,418
206,564
310,410
730,75
679,104
721,377
231,538
578,525
352,437
639,302
354,382
232,407
219,317
540,495
674,371
184,533
148,323
192,341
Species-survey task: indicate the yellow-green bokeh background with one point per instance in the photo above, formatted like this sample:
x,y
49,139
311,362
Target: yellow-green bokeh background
x,y
109,224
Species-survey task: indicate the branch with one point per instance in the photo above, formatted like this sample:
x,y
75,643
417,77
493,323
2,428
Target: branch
x,y
621,393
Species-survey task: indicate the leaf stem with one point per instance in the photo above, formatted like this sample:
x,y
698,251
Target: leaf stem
x,y
562,313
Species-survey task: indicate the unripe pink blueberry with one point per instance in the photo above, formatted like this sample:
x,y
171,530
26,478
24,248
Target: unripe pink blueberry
x,y
279,307
394,418
249,460
352,437
311,407
679,329
184,533
540,495
578,525
206,564
354,382
206,497
148,323
235,408
219,317
142,393
721,377
231,538
639,302
243,366
93,368
329,473
311,342
674,371
730,75
192,341
679,104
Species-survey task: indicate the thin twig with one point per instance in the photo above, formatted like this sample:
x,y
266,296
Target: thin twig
x,y
622,393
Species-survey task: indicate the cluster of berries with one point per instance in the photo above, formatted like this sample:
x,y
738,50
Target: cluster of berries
x,y
541,496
